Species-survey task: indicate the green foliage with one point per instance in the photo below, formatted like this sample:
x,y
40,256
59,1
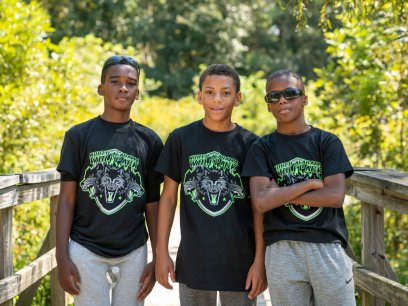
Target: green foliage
x,y
44,84
363,93
176,37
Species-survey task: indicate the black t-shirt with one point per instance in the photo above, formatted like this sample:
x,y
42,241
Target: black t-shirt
x,y
290,159
113,164
217,241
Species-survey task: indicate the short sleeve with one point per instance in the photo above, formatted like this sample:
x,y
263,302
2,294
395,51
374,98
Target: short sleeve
x,y
257,162
169,162
69,163
335,159
153,178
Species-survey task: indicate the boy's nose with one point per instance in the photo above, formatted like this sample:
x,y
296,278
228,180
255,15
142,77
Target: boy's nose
x,y
217,97
123,88
282,100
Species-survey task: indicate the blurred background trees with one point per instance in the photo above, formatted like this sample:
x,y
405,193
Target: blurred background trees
x,y
353,55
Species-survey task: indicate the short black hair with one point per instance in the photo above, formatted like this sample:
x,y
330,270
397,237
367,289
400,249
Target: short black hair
x,y
284,73
220,69
119,60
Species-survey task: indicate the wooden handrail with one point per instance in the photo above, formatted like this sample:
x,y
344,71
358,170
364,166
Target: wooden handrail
x,y
20,189
377,189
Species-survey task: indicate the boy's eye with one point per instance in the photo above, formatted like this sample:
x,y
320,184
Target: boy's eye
x,y
226,93
209,92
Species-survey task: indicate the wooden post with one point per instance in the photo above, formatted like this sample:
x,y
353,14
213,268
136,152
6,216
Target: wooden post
x,y
373,257
6,246
58,297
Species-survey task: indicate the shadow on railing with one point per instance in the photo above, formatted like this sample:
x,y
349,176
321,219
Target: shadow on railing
x,y
377,189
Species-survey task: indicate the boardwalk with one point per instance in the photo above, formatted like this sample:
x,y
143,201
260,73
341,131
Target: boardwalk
x,y
161,296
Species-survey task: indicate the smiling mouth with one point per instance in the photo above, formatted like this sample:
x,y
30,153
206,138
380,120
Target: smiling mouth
x,y
217,109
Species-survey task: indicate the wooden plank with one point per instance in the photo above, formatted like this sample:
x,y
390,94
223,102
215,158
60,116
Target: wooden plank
x,y
6,245
394,180
9,180
27,193
379,286
389,272
40,176
372,218
17,283
27,296
58,296
375,196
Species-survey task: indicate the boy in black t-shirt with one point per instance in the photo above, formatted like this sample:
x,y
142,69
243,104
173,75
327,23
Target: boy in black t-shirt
x,y
298,180
218,249
108,186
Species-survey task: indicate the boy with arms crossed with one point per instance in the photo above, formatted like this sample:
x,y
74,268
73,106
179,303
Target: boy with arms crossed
x,y
217,249
108,184
298,180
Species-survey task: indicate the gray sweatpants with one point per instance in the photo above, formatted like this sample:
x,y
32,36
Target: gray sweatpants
x,y
94,285
303,273
195,297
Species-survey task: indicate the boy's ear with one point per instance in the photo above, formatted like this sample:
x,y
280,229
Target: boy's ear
x,y
237,99
305,101
200,97
100,90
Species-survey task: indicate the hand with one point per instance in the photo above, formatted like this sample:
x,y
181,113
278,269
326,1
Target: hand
x,y
316,183
256,280
147,281
164,267
68,277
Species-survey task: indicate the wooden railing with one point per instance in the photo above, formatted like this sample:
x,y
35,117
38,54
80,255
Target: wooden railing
x,y
377,189
20,189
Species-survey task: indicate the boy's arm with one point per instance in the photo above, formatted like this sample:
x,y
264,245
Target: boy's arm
x,y
167,208
147,280
256,279
67,272
330,195
267,195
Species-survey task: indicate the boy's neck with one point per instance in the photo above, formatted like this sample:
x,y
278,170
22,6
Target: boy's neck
x,y
290,129
116,117
219,126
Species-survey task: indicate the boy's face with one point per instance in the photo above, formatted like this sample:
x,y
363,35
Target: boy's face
x,y
120,89
218,97
286,111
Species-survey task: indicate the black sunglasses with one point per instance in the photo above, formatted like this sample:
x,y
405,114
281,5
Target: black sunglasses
x,y
121,59
289,93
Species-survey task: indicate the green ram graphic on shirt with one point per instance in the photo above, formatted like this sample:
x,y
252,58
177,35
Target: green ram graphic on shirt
x,y
213,182
295,171
112,180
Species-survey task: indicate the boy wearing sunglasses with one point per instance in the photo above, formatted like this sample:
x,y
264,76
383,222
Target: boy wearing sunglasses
x,y
297,179
108,187
218,251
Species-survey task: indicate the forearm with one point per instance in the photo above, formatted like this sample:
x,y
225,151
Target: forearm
x,y
63,230
330,195
274,196
323,197
65,215
151,211
258,233
166,211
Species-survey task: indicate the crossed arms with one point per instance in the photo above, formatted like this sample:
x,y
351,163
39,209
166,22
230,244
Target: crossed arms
x,y
267,195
